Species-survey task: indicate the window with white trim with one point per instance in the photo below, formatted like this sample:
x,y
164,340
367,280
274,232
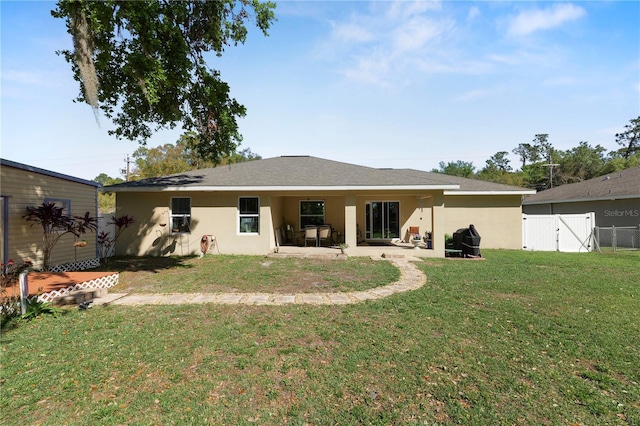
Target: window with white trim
x,y
311,212
180,215
249,215
60,202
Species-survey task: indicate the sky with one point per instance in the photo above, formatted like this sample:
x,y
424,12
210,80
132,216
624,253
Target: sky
x,y
393,84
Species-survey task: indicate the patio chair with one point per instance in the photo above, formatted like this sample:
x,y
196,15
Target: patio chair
x,y
359,238
290,234
413,231
311,234
324,234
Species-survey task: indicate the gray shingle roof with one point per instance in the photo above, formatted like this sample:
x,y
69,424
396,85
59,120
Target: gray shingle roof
x,y
305,172
33,169
623,184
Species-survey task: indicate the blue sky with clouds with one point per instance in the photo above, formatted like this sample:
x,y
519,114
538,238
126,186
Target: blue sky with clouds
x,y
376,83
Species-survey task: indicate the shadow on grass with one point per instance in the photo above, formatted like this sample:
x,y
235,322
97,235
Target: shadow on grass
x,y
146,263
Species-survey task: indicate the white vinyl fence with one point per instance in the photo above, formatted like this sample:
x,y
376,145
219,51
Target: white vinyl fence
x,y
104,225
559,232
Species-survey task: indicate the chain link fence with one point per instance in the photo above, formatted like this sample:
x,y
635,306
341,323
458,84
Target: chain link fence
x,y
612,238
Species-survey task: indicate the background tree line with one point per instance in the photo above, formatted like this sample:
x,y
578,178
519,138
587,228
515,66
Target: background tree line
x,y
165,160
580,163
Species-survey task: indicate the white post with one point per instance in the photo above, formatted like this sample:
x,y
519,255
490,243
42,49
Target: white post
x,y
24,292
350,221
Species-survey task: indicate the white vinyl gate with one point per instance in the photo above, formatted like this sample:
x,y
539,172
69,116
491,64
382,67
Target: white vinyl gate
x,y
109,228
558,232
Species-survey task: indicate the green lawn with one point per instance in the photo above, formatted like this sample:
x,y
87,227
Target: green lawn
x,y
519,338
247,274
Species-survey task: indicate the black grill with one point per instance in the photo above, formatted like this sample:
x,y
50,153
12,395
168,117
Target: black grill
x,y
467,240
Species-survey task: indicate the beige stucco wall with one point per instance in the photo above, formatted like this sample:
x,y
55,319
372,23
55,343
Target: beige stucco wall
x,y
211,214
498,219
277,218
439,224
334,209
24,189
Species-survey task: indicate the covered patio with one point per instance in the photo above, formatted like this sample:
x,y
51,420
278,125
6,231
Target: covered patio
x,y
370,221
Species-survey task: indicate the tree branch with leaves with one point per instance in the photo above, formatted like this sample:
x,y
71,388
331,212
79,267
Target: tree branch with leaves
x,y
144,64
629,139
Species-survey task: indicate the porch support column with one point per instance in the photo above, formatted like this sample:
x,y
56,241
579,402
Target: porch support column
x,y
439,224
350,222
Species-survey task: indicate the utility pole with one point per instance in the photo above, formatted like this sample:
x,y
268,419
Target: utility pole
x,y
550,166
127,160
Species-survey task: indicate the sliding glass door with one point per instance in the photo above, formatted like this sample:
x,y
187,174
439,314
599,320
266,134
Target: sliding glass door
x,y
383,220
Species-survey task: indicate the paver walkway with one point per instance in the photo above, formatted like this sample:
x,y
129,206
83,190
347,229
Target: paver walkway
x,y
411,278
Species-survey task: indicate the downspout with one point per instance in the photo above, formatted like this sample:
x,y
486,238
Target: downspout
x,y
5,229
97,251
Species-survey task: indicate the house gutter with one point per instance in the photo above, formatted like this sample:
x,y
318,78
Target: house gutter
x,y
33,169
278,188
583,200
523,192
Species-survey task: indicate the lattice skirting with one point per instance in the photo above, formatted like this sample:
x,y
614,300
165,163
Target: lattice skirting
x,y
103,282
77,266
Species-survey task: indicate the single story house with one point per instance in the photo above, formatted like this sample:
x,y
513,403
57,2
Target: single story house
x,y
614,198
25,186
252,207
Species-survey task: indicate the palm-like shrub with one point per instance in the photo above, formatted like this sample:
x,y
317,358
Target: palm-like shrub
x,y
55,224
106,242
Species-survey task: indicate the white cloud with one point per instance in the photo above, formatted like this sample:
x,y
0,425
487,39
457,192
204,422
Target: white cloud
x,y
404,9
560,81
530,21
505,59
27,84
473,13
539,58
27,77
385,42
453,65
472,95
351,33
369,70
495,91
417,32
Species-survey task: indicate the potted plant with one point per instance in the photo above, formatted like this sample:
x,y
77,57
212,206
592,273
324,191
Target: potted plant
x,y
416,239
343,247
81,243
427,240
448,241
